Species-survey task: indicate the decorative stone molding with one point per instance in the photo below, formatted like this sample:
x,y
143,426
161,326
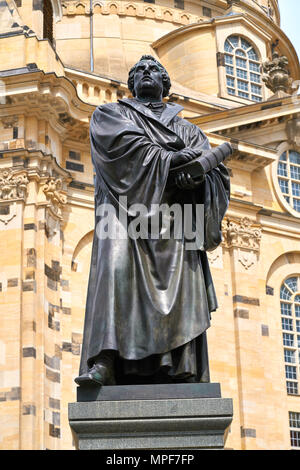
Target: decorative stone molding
x,y
276,74
56,196
13,185
57,199
9,122
7,215
82,7
54,100
269,8
140,10
241,233
245,237
247,258
65,118
215,258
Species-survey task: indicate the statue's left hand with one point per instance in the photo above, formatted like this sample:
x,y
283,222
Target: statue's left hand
x,y
185,181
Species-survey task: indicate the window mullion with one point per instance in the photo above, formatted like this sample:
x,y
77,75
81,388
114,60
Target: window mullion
x,y
289,176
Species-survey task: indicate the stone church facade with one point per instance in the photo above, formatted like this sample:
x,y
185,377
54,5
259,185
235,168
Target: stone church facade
x,y
236,74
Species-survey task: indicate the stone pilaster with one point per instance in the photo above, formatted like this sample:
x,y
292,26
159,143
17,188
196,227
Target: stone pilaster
x,y
242,238
53,197
13,195
33,195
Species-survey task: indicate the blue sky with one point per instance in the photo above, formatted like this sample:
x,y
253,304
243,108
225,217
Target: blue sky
x,y
290,15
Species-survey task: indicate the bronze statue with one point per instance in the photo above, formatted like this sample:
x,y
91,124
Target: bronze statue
x,y
149,300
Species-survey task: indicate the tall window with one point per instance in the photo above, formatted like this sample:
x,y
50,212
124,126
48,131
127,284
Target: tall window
x,y
295,429
243,69
290,322
48,20
289,178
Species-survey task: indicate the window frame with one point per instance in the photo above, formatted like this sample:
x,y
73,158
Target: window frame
x,y
294,425
285,147
231,61
290,335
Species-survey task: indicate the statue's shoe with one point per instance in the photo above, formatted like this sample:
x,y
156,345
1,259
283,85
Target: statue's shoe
x,y
98,374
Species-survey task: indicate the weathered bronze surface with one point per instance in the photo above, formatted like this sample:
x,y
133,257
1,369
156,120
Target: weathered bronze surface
x,y
149,300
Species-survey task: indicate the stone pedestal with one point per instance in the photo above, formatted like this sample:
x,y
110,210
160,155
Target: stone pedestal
x,y
179,416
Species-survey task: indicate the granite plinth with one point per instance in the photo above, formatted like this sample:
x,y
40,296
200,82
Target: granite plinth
x,y
183,416
148,392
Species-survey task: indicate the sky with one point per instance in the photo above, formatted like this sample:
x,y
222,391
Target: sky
x,y
290,16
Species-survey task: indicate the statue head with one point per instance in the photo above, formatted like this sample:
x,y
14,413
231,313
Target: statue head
x,y
149,79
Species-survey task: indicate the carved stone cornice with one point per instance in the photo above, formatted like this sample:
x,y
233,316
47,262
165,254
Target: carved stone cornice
x,y
46,97
140,10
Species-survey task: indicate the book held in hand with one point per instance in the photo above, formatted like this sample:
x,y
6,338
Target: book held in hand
x,y
207,161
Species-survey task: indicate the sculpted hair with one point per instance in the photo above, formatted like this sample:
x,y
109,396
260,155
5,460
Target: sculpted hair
x,y
165,75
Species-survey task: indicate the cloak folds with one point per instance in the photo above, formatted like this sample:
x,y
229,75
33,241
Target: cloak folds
x,y
150,299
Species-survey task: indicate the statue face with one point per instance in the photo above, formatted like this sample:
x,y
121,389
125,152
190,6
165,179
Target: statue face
x,y
148,80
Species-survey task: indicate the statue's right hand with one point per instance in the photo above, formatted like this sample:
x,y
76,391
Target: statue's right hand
x,y
182,157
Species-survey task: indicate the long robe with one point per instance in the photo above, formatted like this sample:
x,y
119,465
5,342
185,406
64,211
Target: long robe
x,y
148,298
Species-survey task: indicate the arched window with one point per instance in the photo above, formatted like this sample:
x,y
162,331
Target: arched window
x,y
290,322
48,20
289,178
243,69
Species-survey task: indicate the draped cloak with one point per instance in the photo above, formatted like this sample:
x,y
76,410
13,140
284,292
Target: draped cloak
x,y
148,297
